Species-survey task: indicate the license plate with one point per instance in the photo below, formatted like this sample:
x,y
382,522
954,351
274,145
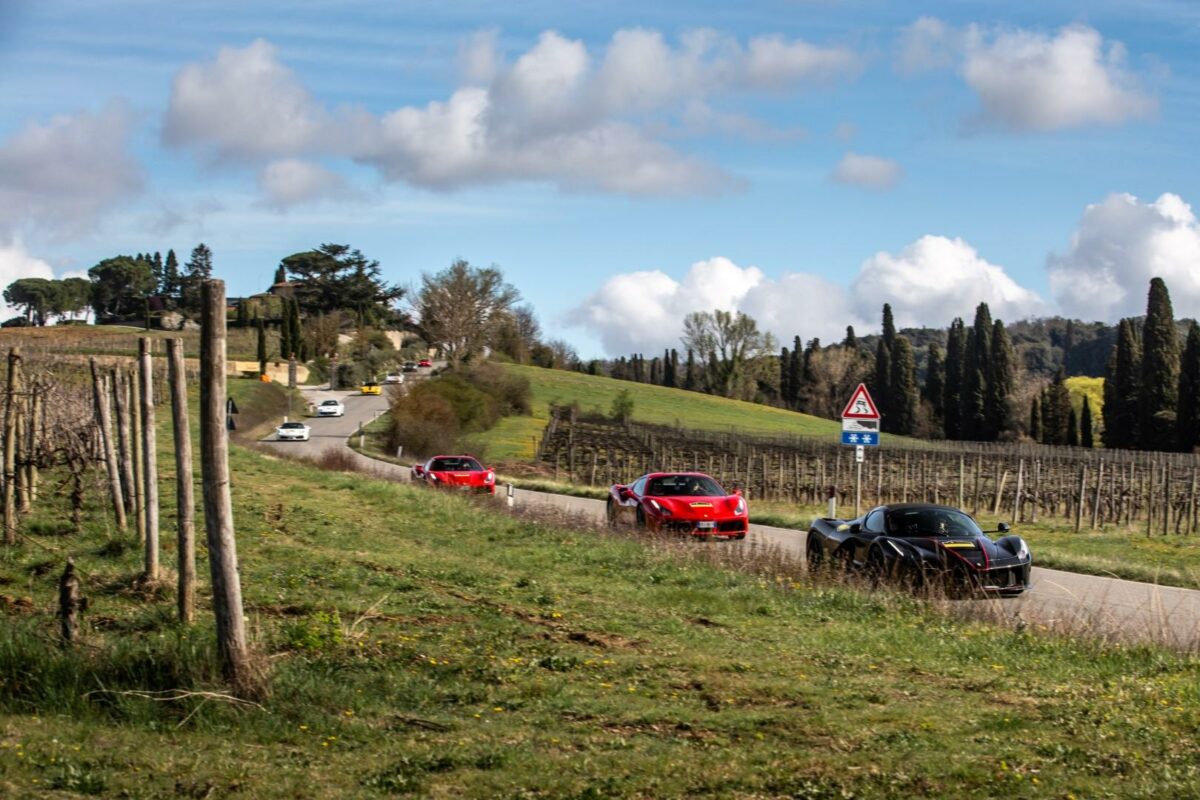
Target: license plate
x,y
706,526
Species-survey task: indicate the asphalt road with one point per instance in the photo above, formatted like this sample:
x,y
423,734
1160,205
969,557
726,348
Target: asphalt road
x,y
1126,610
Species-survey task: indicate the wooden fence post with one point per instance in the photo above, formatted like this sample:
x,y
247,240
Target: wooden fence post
x,y
1082,490
124,449
218,504
10,445
100,399
1096,496
33,444
136,447
68,603
185,502
149,456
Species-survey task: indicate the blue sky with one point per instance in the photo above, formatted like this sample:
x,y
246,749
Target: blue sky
x,y
624,163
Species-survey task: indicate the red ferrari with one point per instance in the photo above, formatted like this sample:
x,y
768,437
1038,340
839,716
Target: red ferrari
x,y
456,472
680,502
424,362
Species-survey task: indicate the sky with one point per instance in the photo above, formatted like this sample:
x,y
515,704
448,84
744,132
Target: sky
x,y
624,164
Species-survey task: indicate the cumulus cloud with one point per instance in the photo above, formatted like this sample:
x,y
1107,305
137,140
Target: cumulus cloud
x,y
929,282
1030,82
557,113
935,279
62,176
17,263
869,172
290,181
1118,246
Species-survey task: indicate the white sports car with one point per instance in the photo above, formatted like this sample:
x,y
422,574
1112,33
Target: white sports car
x,y
331,408
293,432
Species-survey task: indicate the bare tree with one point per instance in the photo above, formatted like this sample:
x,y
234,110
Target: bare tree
x,y
460,307
727,341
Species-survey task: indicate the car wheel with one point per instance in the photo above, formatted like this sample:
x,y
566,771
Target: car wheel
x,y
641,519
876,566
814,554
912,577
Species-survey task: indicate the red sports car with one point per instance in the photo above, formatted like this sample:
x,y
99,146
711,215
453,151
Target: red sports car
x,y
424,362
680,502
456,472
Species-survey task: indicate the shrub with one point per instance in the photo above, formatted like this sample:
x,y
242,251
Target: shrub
x,y
423,422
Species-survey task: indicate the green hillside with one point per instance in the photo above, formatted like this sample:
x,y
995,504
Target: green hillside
x,y
514,437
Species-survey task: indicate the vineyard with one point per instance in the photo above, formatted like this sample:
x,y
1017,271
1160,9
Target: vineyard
x,y
1153,492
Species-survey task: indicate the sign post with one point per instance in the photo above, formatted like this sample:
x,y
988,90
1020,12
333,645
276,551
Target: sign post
x,y
860,429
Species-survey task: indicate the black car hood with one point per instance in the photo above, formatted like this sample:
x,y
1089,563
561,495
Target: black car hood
x,y
978,551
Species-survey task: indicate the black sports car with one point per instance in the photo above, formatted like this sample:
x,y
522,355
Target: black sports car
x,y
919,544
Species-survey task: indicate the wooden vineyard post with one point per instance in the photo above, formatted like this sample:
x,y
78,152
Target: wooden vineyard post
x,y
124,451
33,443
1082,490
1190,527
136,447
1147,493
978,478
1020,488
1166,515
1037,483
1096,496
10,446
100,399
218,503
185,502
68,603
149,456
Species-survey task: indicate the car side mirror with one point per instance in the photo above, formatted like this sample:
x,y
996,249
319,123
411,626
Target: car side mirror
x,y
624,493
1003,527
855,528
737,492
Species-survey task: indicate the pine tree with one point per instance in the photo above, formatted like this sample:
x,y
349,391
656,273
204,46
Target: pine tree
x,y
903,385
1035,419
1187,406
157,268
935,383
262,347
199,269
975,376
1072,428
1086,437
956,347
171,284
689,372
1001,382
1160,372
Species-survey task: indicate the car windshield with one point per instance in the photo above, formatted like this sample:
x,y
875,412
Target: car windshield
x,y
330,403
455,464
931,522
292,425
683,486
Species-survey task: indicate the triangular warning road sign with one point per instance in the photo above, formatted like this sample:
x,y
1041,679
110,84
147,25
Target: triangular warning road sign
x,y
861,406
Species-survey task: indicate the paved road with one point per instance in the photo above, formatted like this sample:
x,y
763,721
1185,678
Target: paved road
x,y
1128,610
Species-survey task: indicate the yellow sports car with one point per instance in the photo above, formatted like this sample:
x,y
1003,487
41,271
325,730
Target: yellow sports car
x,y
372,388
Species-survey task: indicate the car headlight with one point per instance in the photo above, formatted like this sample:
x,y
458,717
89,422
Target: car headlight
x,y
1023,550
739,508
432,477
666,512
490,478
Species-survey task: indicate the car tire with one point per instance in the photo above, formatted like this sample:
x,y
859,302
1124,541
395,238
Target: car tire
x,y
814,554
876,567
640,517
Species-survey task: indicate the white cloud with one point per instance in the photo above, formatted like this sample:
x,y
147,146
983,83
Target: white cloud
x,y
927,44
63,176
869,172
1119,245
17,263
1027,81
556,113
290,182
245,104
929,282
935,279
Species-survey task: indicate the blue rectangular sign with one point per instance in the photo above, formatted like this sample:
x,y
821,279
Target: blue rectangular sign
x,y
860,438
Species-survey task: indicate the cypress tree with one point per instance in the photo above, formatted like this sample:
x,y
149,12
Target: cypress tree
x,y
285,331
1056,411
280,274
1086,437
1068,346
882,381
975,376
689,372
785,375
1109,434
1160,372
655,371
851,340
1187,407
1001,380
157,262
297,332
889,325
1127,376
935,383
262,347
796,374
1072,428
1035,419
956,347
243,314
903,384
670,362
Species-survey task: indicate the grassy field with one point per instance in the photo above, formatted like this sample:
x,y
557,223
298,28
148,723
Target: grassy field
x,y
513,438
418,644
242,344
